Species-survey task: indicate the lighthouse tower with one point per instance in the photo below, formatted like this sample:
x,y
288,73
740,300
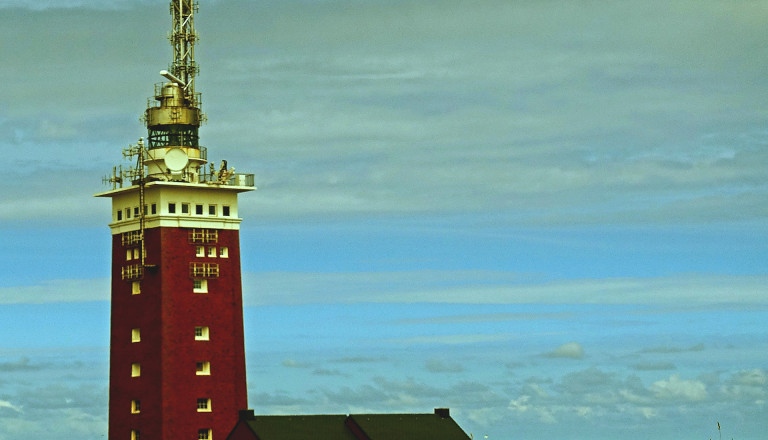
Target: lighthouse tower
x,y
177,362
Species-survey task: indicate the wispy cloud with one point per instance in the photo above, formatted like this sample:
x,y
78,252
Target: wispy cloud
x,y
504,288
672,350
57,291
442,366
453,339
23,364
657,366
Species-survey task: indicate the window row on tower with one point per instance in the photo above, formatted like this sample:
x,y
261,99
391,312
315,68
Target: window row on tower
x,y
202,333
203,405
211,210
200,251
212,251
199,280
202,434
202,368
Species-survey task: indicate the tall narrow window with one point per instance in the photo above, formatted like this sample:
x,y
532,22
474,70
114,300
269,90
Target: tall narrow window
x,y
204,404
128,254
135,406
203,368
135,434
224,252
211,209
204,434
202,333
135,335
171,208
153,207
225,211
135,369
135,287
136,253
185,208
119,214
135,211
127,213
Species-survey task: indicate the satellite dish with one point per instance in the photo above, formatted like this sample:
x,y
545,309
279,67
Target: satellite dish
x,y
176,159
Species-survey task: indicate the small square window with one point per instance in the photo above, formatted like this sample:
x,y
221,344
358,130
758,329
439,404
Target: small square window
x,y
199,209
135,369
185,208
199,251
212,251
128,254
225,211
211,209
200,285
135,434
204,404
135,406
203,368
154,208
135,335
224,252
171,208
119,214
204,434
202,333
135,287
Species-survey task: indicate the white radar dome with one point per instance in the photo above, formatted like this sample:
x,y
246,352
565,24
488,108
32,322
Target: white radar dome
x,y
176,159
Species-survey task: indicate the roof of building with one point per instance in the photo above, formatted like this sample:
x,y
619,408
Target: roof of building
x,y
437,426
407,426
320,427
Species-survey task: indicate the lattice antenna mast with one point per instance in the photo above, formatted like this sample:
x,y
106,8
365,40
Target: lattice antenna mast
x,y
183,39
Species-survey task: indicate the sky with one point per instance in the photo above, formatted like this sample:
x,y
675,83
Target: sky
x,y
549,216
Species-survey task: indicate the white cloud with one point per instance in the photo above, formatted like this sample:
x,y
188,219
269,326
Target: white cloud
x,y
754,377
571,350
675,389
750,385
9,405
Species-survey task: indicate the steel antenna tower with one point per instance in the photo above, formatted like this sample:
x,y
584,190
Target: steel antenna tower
x,y
183,39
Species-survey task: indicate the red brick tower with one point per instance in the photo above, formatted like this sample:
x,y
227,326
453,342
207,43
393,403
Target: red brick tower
x,y
177,361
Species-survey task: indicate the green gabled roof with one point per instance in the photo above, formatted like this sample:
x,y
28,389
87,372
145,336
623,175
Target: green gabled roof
x,y
408,427
313,427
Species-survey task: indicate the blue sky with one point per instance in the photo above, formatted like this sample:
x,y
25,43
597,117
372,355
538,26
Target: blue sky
x,y
549,216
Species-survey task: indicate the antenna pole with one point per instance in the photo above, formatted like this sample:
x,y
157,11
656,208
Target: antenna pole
x,y
183,39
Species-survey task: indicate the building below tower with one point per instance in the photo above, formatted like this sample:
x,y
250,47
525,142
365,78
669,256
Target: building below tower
x,y
436,426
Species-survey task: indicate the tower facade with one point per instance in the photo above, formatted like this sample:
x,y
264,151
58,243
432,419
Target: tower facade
x,y
177,361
